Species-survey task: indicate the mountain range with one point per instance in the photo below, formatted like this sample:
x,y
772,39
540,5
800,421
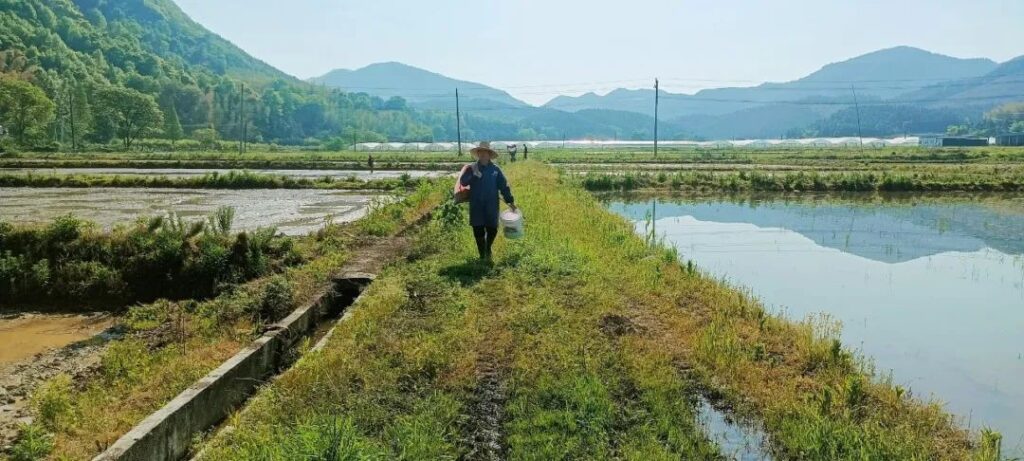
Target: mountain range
x,y
892,82
73,48
877,75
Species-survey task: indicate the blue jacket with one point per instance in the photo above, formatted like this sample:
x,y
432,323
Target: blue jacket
x,y
483,196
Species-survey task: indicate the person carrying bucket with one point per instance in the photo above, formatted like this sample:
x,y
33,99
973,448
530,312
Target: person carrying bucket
x,y
485,181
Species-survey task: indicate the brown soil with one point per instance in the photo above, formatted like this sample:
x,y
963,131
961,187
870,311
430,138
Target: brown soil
x,y
486,413
26,336
39,347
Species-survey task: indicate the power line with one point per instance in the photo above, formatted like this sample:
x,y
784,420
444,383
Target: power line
x,y
767,86
904,102
817,91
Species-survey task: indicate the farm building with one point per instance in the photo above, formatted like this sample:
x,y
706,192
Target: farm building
x,y
948,141
1010,139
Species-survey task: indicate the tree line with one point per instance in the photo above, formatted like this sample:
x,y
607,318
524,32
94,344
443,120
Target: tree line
x,y
90,72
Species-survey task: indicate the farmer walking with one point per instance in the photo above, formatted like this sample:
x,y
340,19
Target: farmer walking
x,y
526,152
485,180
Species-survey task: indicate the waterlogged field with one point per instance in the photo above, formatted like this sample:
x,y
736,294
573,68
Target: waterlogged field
x,y
831,156
187,298
929,288
292,211
362,175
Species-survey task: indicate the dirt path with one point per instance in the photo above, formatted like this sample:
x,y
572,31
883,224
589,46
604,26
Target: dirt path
x,y
37,348
486,412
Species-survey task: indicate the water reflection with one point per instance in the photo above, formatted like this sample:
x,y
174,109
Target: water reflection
x,y
737,441
931,290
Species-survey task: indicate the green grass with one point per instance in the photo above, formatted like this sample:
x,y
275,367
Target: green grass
x,y
72,264
169,345
806,156
594,345
918,178
230,180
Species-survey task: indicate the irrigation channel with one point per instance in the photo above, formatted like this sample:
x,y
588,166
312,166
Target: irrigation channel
x,y
45,345
928,288
292,211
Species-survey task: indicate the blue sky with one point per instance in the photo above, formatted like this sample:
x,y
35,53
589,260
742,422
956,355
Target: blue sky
x,y
537,49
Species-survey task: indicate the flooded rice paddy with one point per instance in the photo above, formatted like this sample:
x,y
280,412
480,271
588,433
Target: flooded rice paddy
x,y
293,212
929,289
192,172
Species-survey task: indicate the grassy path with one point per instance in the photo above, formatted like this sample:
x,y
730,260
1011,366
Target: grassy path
x,y
580,342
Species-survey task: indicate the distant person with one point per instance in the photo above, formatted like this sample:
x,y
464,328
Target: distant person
x,y
512,152
369,162
526,152
485,181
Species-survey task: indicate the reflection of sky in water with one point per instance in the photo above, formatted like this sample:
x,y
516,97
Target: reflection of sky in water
x,y
933,293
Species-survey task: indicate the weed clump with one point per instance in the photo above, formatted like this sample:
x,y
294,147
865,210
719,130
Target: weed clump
x,y
72,263
33,443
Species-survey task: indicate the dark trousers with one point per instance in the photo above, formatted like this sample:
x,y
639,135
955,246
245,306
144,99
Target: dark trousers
x,y
485,236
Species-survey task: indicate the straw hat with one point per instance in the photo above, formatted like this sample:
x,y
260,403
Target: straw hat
x,y
482,148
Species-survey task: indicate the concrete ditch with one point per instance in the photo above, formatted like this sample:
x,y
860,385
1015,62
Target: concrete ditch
x,y
168,433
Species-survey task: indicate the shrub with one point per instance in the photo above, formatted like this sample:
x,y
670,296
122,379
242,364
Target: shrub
x,y
33,443
53,403
277,300
70,262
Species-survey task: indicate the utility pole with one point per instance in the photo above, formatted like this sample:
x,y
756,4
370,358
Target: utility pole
x,y
241,116
856,105
656,118
245,124
71,106
458,120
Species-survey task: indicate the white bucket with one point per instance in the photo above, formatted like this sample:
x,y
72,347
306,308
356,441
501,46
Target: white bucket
x,y
512,220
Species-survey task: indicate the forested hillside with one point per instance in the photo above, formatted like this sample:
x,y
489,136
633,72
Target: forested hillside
x,y
130,69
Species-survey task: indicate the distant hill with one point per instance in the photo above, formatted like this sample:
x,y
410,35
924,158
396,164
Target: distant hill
x,y
421,88
770,109
881,74
767,121
165,30
489,112
1005,83
77,47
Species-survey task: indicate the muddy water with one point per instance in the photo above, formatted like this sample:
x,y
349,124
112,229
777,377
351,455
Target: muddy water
x,y
25,337
189,172
931,290
736,440
294,212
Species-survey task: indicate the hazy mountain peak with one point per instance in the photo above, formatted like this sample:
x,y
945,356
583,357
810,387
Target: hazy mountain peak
x,y
420,87
900,64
